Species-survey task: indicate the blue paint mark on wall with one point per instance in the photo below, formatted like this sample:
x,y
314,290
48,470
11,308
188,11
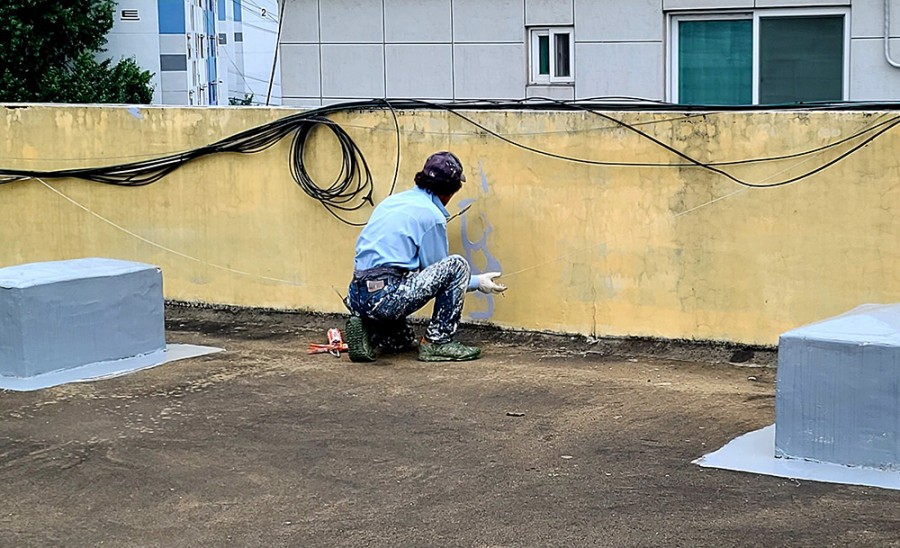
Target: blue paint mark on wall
x,y
472,248
171,16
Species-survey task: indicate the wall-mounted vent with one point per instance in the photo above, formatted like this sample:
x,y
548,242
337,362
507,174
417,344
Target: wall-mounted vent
x,y
131,15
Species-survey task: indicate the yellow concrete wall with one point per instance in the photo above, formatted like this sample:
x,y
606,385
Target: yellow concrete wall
x,y
675,252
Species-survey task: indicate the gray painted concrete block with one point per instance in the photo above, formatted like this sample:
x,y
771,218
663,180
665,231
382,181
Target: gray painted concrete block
x,y
838,392
65,314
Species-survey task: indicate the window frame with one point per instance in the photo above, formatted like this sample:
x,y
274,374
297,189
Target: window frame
x,y
535,78
756,16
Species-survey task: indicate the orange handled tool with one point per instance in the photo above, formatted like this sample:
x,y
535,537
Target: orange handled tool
x,y
335,345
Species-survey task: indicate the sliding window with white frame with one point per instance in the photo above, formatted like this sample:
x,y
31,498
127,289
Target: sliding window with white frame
x,y
552,59
761,57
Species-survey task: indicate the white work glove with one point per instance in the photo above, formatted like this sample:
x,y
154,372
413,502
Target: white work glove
x,y
486,283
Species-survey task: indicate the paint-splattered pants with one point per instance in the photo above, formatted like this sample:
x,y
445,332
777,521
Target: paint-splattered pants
x,y
384,299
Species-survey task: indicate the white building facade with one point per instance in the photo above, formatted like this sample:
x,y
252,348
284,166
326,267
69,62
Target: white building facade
x,y
230,39
262,67
711,52
248,38
196,49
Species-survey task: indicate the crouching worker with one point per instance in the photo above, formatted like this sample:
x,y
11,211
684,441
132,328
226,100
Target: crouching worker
x,y
402,262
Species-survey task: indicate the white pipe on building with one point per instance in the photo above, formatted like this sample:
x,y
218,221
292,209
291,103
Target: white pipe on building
x,y
887,35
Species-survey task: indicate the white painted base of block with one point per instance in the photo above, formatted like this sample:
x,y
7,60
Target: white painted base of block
x,y
104,370
755,452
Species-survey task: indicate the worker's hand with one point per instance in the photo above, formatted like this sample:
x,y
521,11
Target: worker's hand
x,y
486,283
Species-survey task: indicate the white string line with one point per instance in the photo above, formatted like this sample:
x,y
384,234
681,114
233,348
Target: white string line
x,y
160,246
507,275
738,191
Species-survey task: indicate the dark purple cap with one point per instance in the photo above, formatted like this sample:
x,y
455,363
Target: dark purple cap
x,y
444,166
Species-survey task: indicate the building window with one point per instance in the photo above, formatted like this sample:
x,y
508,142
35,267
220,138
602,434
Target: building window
x,y
171,16
131,15
766,57
552,60
223,39
169,63
239,37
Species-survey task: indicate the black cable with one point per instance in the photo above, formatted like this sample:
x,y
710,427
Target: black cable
x,y
353,186
397,165
348,185
889,125
354,179
619,123
692,162
275,57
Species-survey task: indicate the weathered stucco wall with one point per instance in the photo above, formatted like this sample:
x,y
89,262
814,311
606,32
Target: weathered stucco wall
x,y
676,252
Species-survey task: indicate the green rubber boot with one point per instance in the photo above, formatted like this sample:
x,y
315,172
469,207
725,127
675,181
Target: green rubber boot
x,y
447,352
358,343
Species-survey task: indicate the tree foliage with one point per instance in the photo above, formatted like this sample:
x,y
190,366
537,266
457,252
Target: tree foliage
x,y
49,49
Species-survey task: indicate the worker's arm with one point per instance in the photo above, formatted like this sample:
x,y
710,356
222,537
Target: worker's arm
x,y
434,247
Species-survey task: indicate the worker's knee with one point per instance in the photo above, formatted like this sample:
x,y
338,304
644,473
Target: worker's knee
x,y
459,264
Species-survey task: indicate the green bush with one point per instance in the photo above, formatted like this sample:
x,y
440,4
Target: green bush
x,y
49,49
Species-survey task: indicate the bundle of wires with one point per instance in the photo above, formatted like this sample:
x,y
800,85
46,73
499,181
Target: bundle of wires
x,y
353,186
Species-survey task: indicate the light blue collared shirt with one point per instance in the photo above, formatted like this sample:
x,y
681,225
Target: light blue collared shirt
x,y
407,230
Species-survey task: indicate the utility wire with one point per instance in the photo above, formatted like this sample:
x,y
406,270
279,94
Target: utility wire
x,y
259,9
275,56
353,187
691,162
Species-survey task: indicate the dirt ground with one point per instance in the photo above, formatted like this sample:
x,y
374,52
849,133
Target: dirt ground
x,y
546,441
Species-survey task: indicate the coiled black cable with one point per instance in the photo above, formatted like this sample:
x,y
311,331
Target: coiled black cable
x,y
353,181
351,189
353,186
